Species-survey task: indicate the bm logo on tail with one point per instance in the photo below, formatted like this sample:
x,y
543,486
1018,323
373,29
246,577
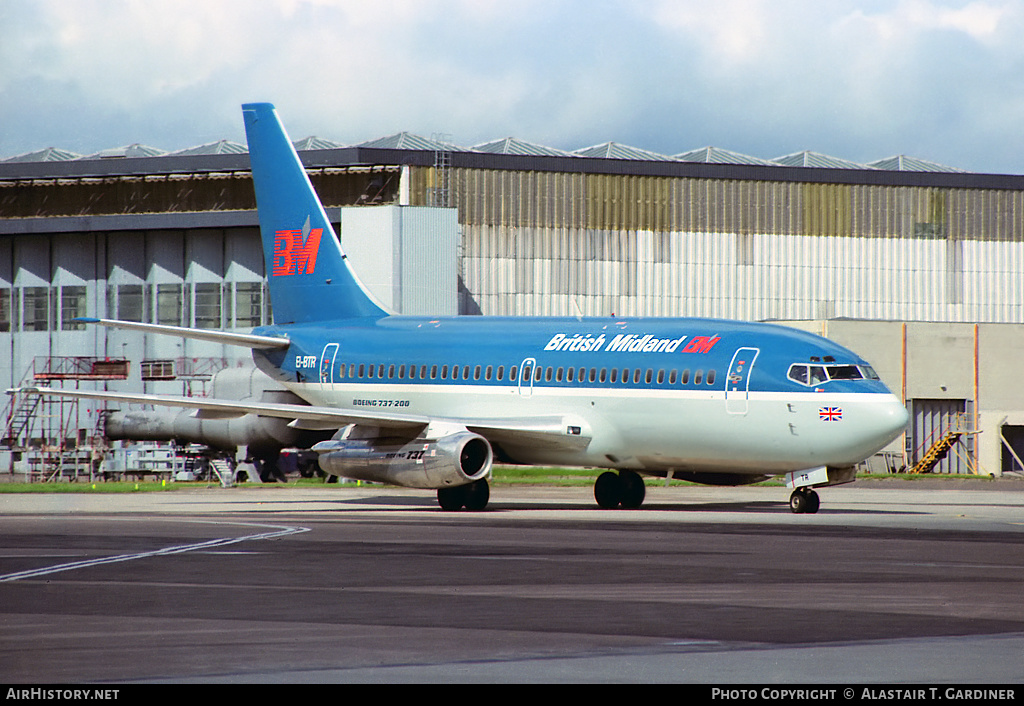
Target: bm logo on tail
x,y
295,251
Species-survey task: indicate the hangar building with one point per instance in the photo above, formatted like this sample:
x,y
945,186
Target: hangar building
x,y
918,267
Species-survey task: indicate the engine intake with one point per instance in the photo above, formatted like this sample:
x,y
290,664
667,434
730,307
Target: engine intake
x,y
448,461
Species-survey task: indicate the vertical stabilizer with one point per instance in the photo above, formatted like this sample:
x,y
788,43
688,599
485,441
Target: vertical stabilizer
x,y
310,279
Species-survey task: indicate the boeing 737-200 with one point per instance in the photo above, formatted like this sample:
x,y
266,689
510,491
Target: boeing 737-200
x,y
432,402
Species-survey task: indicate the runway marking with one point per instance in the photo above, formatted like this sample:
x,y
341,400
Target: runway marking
x,y
166,551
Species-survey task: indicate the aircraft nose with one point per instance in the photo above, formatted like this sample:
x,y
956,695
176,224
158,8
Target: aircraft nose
x,y
892,419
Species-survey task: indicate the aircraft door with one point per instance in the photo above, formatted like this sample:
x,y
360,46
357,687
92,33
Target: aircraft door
x,y
737,381
526,369
327,374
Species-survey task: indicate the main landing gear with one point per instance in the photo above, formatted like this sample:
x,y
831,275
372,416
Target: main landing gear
x,y
804,500
472,496
624,489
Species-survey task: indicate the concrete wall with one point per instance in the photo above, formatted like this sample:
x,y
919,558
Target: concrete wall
x,y
938,362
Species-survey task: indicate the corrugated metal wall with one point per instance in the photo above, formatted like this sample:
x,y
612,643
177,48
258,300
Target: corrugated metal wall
x,y
561,271
539,243
682,204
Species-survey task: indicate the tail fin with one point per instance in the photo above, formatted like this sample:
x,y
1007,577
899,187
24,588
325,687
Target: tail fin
x,y
310,279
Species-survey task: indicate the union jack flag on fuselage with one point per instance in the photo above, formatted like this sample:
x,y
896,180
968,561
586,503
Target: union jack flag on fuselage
x,y
830,414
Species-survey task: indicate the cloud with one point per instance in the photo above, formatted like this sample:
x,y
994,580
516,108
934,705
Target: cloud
x,y
933,78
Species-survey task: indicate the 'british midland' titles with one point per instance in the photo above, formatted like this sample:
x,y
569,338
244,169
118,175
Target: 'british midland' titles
x,y
630,342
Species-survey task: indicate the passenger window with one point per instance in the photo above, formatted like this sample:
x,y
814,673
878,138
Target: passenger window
x,y
548,374
673,376
710,380
465,372
539,371
625,376
686,377
488,372
559,374
603,377
412,372
697,376
380,370
649,376
636,376
593,374
501,372
570,374
476,373
615,375
661,376
361,370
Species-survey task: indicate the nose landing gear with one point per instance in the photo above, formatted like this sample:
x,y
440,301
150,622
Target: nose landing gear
x,y
804,500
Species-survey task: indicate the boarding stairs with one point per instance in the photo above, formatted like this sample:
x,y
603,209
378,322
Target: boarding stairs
x,y
958,427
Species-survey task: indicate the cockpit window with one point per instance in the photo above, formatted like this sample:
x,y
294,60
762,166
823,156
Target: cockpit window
x,y
844,372
818,374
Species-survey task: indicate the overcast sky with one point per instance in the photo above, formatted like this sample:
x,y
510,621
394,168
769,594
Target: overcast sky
x,y
938,79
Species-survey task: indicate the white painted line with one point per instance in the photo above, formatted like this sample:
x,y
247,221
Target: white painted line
x,y
32,573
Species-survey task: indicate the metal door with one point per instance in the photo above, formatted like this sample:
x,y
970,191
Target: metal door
x,y
526,369
327,374
737,380
932,419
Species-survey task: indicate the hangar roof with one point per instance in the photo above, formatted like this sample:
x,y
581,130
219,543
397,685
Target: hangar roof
x,y
816,159
615,150
511,145
903,163
716,155
408,141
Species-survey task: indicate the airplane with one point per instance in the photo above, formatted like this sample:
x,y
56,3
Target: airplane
x,y
433,402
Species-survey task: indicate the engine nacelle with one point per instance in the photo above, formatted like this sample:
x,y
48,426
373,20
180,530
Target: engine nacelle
x,y
455,459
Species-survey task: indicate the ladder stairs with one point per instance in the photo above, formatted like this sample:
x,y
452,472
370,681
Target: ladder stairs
x,y
937,452
941,448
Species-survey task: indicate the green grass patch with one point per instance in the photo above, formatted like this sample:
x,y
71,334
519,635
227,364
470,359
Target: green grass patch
x,y
90,487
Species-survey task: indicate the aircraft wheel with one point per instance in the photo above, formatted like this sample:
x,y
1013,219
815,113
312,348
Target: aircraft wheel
x,y
798,502
451,499
477,494
608,490
633,490
813,502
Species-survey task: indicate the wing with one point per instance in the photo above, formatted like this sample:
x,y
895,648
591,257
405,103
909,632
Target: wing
x,y
550,431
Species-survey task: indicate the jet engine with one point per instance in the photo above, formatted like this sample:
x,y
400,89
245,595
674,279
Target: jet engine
x,y
451,460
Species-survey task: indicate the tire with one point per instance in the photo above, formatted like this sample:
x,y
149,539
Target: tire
x,y
813,502
633,490
608,490
451,499
477,494
798,502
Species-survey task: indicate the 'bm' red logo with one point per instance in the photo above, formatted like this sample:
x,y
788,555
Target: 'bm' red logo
x,y
292,255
